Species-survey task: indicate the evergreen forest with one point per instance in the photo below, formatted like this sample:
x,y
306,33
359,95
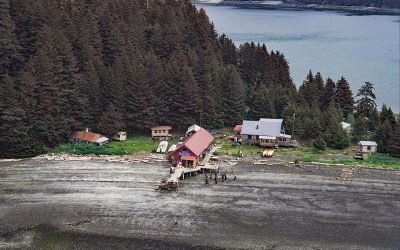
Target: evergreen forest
x,y
112,65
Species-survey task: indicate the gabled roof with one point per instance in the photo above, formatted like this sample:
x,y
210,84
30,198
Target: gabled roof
x,y
345,125
161,128
85,136
367,143
271,128
197,142
237,128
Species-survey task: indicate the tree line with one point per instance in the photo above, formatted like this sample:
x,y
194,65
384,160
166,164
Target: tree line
x,y
127,65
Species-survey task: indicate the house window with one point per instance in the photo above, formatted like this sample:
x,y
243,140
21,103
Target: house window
x,y
184,149
155,131
368,148
249,137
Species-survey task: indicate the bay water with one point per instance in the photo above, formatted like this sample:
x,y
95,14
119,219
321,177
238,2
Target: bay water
x,y
359,47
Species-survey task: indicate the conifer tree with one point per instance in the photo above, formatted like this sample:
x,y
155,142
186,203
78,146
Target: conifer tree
x,y
228,50
344,96
303,89
382,136
328,95
366,102
387,114
233,97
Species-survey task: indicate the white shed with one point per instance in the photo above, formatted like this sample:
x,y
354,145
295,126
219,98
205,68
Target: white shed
x,y
367,146
120,136
346,127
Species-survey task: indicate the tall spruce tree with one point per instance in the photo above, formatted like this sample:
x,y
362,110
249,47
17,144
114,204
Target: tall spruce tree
x,y
328,95
344,96
233,98
382,136
365,105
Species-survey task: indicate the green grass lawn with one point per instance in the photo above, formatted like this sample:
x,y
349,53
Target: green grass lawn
x,y
133,145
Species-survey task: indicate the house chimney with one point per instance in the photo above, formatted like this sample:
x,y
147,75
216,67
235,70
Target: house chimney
x,y
257,126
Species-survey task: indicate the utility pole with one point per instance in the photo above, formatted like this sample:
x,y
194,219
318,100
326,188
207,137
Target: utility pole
x,y
294,119
147,4
201,113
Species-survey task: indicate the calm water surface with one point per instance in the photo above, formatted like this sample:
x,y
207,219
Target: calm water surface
x,y
360,48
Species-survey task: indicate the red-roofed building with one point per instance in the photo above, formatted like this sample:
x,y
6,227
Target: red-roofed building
x,y
193,149
88,138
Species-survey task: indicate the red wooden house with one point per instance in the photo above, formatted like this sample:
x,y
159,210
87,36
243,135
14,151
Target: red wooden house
x,y
193,149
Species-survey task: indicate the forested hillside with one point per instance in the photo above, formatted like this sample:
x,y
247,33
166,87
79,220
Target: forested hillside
x,y
124,65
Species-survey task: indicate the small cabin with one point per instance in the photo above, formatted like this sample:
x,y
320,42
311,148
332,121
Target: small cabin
x,y
162,133
120,136
367,146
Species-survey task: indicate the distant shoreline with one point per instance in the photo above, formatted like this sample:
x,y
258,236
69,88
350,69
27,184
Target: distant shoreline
x,y
356,10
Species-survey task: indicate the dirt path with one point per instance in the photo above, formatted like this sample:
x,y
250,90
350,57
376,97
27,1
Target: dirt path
x,y
95,204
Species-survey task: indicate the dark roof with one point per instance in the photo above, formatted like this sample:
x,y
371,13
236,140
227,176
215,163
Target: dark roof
x,y
84,136
261,128
197,142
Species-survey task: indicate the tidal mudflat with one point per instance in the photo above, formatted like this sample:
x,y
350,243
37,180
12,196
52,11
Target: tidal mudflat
x,y
87,204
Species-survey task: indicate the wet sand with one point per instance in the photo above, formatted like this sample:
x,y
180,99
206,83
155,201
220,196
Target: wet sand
x,y
92,204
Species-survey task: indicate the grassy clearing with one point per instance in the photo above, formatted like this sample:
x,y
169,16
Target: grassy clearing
x,y
333,156
310,154
133,145
137,144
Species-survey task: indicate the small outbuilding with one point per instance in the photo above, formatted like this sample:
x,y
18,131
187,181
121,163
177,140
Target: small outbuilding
x,y
161,133
120,136
367,146
346,127
192,129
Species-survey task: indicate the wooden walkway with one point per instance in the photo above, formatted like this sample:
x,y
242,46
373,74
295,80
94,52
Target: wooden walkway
x,y
204,165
